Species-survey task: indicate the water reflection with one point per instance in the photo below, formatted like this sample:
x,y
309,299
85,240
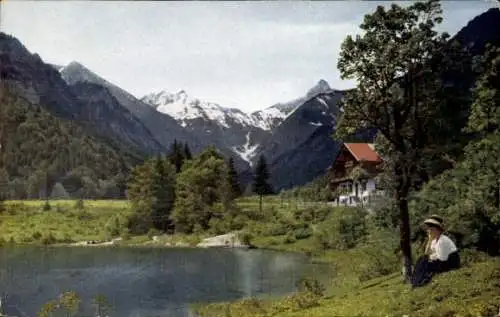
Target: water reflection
x,y
144,282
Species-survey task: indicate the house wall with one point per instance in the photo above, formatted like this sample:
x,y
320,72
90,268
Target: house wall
x,y
351,198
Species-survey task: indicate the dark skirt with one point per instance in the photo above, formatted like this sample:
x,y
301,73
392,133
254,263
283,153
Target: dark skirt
x,y
425,269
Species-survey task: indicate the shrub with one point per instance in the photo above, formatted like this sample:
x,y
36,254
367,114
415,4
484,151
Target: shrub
x,y
138,223
79,204
153,232
342,230
114,228
313,214
126,236
272,229
303,233
289,238
49,239
246,238
380,256
310,285
46,206
36,235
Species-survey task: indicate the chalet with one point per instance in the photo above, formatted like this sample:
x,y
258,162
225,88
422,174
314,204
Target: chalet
x,y
353,174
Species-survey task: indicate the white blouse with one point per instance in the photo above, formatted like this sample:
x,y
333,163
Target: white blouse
x,y
441,248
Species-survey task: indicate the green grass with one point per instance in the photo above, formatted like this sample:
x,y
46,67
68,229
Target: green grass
x,y
474,290
471,291
28,222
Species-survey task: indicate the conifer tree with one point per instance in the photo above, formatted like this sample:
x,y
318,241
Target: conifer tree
x,y
163,193
261,175
187,152
233,179
176,155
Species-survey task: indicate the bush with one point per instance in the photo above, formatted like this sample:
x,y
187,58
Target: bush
x,y
114,228
380,252
342,230
153,232
36,235
289,238
246,238
46,206
303,233
49,239
126,236
138,223
274,228
313,214
79,204
310,285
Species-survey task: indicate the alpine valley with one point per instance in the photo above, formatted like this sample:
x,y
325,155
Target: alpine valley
x,y
288,134
295,136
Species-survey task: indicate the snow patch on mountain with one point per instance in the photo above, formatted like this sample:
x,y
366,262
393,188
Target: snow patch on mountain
x,y
316,124
246,151
184,109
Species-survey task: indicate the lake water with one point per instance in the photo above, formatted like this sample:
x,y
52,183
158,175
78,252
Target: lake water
x,y
145,282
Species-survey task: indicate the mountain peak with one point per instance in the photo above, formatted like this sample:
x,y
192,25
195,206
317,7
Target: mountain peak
x,y
321,87
75,72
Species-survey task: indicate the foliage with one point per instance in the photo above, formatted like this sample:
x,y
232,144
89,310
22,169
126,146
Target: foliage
x,y
316,190
152,193
398,63
23,221
201,184
178,154
40,150
261,176
233,179
342,230
468,196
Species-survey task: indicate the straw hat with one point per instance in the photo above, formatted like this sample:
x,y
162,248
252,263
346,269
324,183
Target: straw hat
x,y
435,221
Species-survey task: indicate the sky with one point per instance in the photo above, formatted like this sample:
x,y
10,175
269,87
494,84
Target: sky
x,y
247,55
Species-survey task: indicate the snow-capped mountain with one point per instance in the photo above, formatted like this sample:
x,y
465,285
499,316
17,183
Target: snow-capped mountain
x,y
185,109
241,133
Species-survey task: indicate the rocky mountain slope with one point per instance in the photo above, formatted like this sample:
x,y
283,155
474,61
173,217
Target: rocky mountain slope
x,y
163,128
295,136
40,83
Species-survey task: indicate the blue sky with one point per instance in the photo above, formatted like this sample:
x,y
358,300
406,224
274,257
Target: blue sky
x,y
248,55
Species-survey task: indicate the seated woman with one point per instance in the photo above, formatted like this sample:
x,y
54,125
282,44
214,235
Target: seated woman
x,y
441,254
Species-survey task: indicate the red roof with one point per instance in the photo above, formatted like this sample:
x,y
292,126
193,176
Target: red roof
x,y
363,152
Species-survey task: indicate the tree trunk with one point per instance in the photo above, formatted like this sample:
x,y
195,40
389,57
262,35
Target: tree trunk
x,y
404,232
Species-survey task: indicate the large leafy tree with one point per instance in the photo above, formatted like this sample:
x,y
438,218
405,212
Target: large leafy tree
x,y
201,185
398,63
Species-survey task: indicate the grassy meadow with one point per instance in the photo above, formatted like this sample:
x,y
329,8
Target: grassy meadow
x,y
62,221
365,279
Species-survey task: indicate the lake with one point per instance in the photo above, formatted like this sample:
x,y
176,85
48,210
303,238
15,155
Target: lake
x,y
145,282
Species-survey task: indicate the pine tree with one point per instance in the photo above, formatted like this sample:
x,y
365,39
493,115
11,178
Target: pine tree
x,y
151,191
176,155
233,179
163,193
187,152
261,186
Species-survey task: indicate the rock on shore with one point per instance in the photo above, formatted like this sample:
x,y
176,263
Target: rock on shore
x,y
229,240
